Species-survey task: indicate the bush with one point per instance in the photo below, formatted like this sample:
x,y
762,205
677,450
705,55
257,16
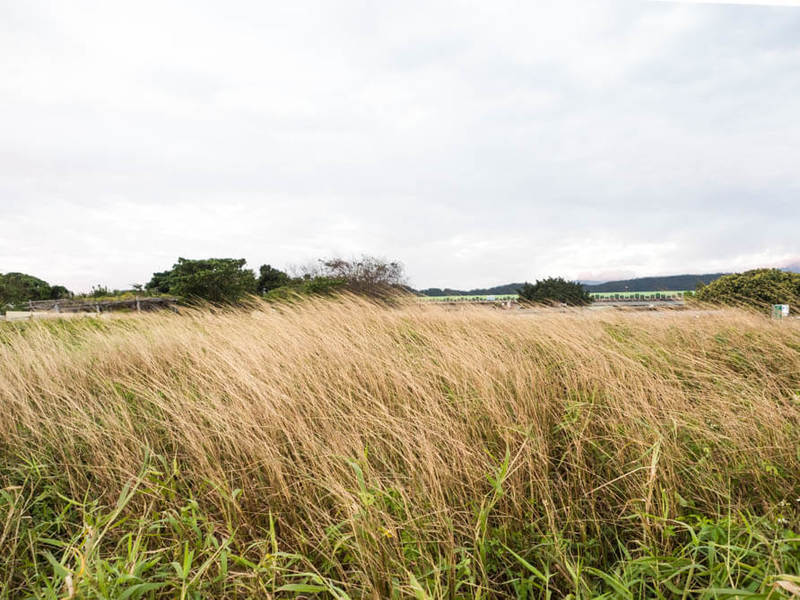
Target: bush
x,y
308,286
758,288
554,290
219,280
366,276
270,278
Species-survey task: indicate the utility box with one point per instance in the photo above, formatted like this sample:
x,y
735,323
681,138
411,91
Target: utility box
x,y
780,311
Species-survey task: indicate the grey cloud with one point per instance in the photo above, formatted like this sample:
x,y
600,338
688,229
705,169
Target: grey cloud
x,y
478,143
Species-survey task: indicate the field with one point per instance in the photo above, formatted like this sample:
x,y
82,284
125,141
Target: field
x,y
338,449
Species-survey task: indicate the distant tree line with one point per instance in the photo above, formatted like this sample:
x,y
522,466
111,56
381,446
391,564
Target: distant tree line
x,y
227,280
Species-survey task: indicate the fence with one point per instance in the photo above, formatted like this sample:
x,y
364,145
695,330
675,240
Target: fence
x,y
38,309
96,305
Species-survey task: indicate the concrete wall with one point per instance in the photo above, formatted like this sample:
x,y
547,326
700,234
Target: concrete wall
x,y
24,315
17,315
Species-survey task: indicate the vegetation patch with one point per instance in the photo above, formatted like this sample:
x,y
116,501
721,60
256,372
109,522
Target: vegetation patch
x,y
758,288
336,448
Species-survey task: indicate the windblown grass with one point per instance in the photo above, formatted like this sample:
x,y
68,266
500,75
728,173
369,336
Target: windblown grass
x,y
344,449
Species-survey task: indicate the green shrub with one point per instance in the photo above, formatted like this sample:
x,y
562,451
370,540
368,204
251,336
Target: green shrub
x,y
555,290
311,286
219,280
758,288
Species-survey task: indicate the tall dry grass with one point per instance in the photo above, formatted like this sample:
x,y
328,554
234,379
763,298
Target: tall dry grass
x,y
389,445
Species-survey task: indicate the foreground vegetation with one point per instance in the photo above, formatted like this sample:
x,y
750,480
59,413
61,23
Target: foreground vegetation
x,y
339,449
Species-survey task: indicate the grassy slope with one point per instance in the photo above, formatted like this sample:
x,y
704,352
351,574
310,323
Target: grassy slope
x,y
348,450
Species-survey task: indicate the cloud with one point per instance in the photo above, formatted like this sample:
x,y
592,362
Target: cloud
x,y
476,143
795,3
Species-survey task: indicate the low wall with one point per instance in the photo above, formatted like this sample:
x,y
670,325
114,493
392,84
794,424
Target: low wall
x,y
17,315
25,315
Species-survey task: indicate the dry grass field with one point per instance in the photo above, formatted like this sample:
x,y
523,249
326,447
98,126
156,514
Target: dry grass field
x,y
339,449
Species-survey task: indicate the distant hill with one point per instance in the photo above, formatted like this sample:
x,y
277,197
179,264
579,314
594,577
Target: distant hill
x,y
508,288
655,284
592,281
640,284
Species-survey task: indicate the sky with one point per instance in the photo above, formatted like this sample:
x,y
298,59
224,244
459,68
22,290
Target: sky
x,y
476,142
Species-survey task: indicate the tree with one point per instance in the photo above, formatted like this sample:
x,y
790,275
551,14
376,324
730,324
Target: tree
x,y
555,290
220,280
270,278
100,291
159,282
368,275
58,292
758,288
17,288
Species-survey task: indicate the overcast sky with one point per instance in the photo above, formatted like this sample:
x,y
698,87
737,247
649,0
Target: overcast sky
x,y
478,143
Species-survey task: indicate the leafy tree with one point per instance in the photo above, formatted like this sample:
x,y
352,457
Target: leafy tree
x,y
270,278
220,280
159,282
100,290
17,288
57,292
758,288
555,290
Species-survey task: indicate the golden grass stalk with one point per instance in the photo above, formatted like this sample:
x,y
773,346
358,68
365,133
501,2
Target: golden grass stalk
x,y
364,427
